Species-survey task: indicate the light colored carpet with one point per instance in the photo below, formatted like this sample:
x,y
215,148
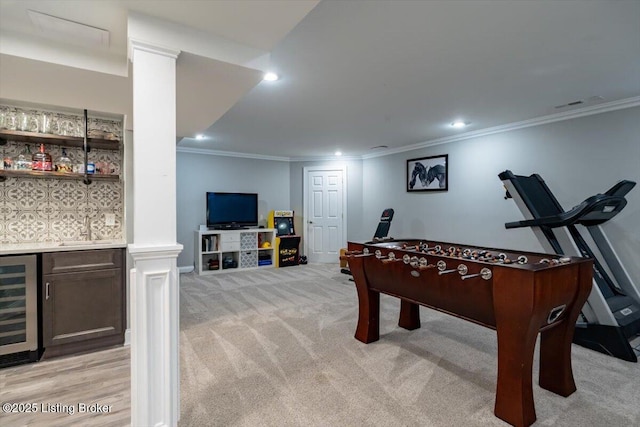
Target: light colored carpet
x,y
275,347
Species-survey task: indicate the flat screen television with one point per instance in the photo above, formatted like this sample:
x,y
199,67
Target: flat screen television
x,y
232,210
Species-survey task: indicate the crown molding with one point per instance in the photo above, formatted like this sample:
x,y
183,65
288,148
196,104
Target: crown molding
x,y
543,120
538,121
136,44
206,152
328,158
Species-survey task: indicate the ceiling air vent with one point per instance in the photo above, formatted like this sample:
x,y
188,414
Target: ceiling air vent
x,y
591,100
570,104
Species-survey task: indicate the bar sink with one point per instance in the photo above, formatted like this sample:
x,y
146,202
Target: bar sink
x,y
86,242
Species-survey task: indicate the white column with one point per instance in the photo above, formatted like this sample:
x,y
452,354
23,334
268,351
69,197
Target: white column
x,y
155,382
154,143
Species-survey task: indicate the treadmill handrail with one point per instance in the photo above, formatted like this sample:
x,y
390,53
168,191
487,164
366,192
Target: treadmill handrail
x,y
606,206
621,188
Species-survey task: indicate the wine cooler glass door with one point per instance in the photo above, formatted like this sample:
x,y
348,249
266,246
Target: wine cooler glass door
x,y
18,306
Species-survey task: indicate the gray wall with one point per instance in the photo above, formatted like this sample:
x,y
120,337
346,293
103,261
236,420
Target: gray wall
x,y
196,174
577,158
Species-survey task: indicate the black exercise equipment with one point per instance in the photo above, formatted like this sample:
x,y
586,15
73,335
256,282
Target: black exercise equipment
x,y
610,319
382,231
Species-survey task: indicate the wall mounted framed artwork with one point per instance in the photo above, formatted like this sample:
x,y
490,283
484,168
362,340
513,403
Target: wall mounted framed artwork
x,y
428,173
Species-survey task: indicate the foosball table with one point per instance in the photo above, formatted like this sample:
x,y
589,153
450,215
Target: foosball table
x,y
519,294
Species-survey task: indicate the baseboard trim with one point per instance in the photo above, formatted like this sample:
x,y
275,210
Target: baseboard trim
x,y
186,269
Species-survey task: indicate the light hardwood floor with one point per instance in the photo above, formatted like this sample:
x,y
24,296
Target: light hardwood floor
x,y
91,389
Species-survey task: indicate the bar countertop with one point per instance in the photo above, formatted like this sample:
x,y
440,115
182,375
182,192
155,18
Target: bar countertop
x,y
76,245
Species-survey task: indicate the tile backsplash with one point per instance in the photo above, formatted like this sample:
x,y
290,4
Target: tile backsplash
x,y
34,210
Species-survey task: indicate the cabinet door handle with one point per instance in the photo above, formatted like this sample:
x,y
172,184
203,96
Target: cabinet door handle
x,y
46,291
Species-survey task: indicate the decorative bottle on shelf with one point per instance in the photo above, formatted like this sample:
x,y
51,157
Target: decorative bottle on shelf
x,y
63,163
41,161
23,161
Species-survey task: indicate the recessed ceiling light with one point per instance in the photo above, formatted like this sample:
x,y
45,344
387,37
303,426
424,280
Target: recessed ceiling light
x,y
459,124
338,153
270,77
200,136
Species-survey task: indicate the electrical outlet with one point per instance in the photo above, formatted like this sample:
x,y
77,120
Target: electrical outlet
x,y
110,219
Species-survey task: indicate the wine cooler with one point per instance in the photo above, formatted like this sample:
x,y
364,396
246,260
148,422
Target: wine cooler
x,y
18,310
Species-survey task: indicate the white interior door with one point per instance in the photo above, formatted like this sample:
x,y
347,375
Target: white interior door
x,y
324,214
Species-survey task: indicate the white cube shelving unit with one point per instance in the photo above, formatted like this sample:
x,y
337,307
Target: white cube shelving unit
x,y
221,251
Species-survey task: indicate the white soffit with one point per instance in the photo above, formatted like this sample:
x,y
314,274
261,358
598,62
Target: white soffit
x,y
52,26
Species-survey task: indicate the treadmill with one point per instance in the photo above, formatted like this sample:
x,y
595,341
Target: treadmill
x,y
610,319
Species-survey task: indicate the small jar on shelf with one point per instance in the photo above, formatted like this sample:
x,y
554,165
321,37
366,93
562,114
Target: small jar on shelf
x,y
63,163
23,161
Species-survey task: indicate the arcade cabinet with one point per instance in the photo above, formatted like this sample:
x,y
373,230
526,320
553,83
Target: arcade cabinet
x,y
610,319
287,242
382,231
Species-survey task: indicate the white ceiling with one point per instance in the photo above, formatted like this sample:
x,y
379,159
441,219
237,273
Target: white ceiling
x,y
258,23
51,68
360,74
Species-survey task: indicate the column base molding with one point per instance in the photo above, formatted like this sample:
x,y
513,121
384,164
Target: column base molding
x,y
155,381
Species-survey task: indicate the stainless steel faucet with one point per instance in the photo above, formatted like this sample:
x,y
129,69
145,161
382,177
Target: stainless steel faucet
x,y
87,228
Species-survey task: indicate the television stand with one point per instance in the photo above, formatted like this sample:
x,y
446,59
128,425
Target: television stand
x,y
233,249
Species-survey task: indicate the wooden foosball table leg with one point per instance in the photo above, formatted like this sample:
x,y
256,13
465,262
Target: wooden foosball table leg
x,y
368,329
409,315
